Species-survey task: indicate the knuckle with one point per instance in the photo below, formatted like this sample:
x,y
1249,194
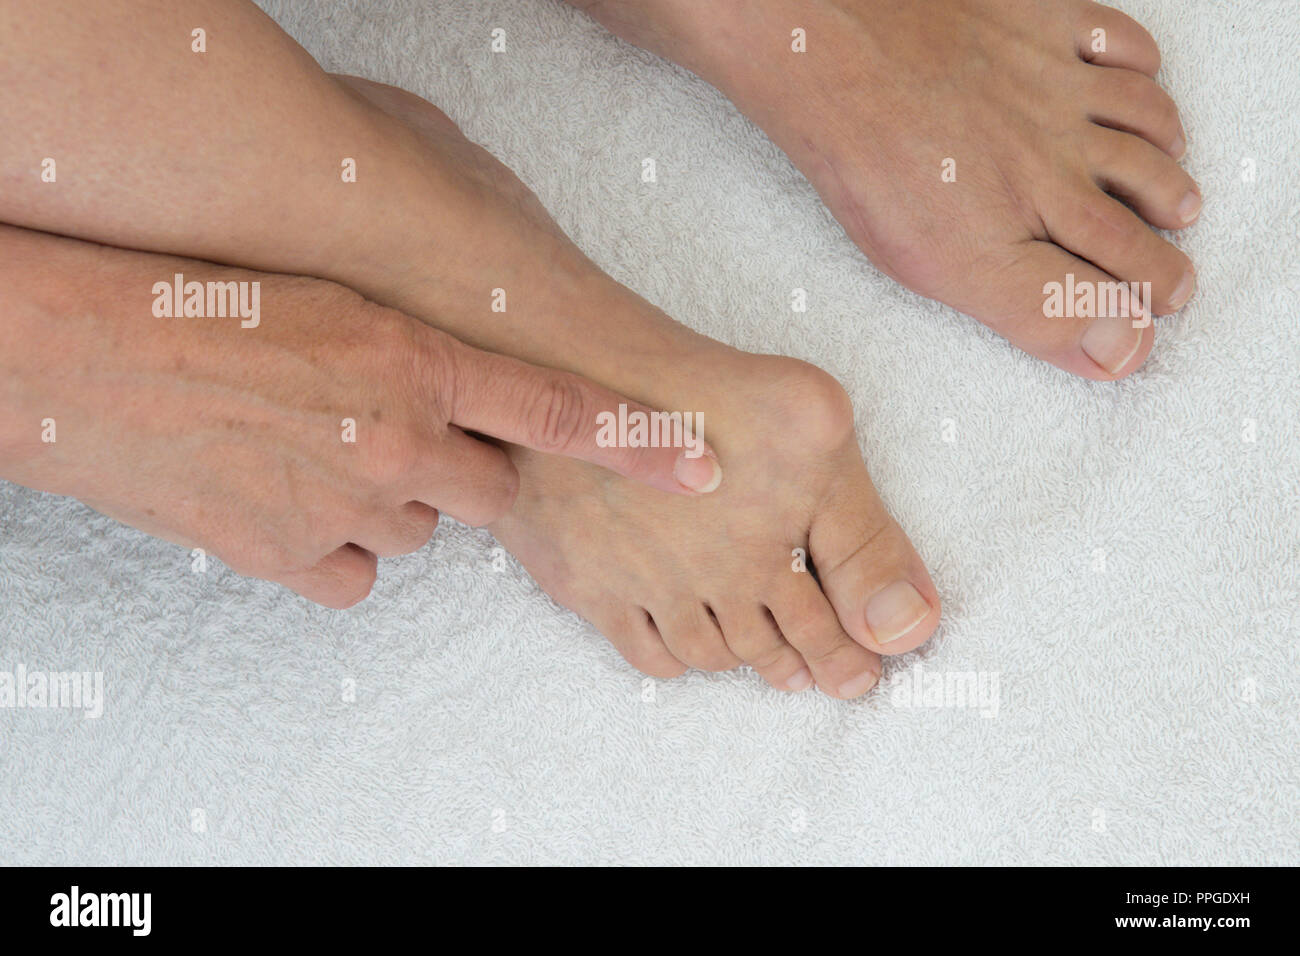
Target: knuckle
x,y
387,330
417,529
394,455
816,404
559,416
434,366
347,582
412,359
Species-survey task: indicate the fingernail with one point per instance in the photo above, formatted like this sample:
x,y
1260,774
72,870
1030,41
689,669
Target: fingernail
x,y
1111,342
800,680
859,685
1189,208
701,474
894,611
1183,292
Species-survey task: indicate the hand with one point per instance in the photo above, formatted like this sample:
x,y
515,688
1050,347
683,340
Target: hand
x,y
297,444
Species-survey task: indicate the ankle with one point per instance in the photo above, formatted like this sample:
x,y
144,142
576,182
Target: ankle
x,y
588,323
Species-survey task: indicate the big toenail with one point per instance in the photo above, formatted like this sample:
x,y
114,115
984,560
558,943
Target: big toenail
x,y
700,474
859,685
1189,208
894,611
1111,341
800,680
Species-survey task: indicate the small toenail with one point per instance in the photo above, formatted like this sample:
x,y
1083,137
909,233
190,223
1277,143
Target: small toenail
x,y
859,685
1189,208
1183,292
800,680
1179,149
894,611
1111,341
700,474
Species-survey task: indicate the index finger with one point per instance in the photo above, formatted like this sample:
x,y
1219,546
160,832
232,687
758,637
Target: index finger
x,y
564,414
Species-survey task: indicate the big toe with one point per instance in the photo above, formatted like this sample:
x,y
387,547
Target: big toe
x,y
1083,300
1064,310
873,577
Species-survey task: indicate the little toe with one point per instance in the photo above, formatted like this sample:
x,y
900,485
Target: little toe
x,y
632,632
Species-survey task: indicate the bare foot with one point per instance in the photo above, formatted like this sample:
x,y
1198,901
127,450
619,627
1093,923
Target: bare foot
x,y
971,148
792,566
712,584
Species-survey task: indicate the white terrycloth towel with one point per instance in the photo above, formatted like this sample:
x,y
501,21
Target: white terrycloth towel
x,y
1118,561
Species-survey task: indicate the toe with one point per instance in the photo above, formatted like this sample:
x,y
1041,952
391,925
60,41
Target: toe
x,y
632,632
1146,178
1037,285
841,667
875,580
1102,230
1107,37
691,634
1134,103
751,632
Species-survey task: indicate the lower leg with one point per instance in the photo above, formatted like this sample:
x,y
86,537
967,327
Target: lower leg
x,y
433,226
250,165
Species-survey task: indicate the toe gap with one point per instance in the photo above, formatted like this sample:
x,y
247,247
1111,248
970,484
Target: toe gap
x,y
650,620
